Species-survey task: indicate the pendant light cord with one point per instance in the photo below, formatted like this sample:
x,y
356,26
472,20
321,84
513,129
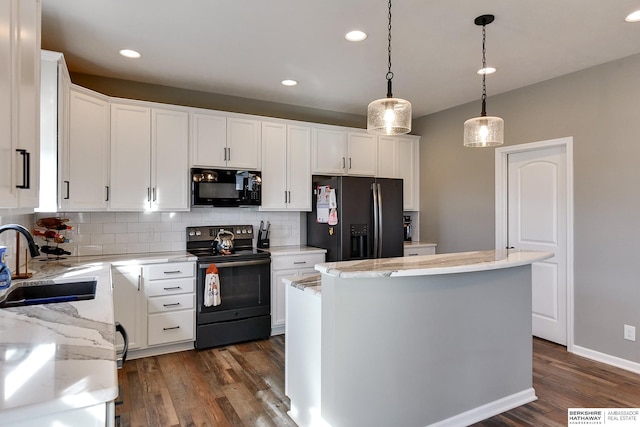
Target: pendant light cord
x,y
484,73
389,73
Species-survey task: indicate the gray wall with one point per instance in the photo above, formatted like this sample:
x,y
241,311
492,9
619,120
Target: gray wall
x,y
600,108
191,98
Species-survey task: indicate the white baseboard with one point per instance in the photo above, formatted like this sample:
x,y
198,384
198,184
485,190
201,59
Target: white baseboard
x,y
158,350
489,410
607,358
277,330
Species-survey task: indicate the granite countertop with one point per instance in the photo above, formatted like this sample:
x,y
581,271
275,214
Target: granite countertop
x,y
295,249
311,284
59,357
422,265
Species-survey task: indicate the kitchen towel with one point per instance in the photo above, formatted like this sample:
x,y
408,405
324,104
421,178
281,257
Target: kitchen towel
x,y
212,287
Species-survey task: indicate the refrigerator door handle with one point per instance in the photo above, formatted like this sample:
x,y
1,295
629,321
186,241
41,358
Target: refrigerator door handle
x,y
380,228
376,220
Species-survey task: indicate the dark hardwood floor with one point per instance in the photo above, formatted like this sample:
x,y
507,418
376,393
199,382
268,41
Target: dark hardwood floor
x,y
243,385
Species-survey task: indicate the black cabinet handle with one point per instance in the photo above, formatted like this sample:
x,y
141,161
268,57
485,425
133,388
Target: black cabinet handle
x,y
173,327
66,183
26,166
107,188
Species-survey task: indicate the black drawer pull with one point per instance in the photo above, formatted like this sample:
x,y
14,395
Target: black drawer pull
x,y
173,288
172,272
26,166
172,304
300,262
173,327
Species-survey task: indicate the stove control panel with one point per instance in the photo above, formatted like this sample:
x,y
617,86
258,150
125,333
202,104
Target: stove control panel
x,y
209,233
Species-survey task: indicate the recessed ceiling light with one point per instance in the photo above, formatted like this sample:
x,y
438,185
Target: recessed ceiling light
x,y
355,36
486,70
633,16
130,53
289,82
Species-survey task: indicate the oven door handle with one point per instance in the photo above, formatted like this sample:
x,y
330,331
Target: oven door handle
x,y
237,263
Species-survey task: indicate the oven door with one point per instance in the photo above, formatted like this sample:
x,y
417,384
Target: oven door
x,y
245,290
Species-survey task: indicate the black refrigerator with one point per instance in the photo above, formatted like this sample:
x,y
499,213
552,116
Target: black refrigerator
x,y
361,219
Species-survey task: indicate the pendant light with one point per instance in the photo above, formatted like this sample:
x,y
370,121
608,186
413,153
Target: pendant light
x,y
389,116
484,131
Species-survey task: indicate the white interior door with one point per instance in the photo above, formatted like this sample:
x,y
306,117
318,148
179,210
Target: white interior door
x,y
537,220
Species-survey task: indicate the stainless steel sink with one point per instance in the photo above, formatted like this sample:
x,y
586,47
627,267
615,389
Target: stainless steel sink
x,y
62,291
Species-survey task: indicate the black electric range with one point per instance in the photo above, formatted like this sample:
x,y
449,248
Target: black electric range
x,y
244,311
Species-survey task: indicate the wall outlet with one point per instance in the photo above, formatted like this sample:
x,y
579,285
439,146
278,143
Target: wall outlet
x,y
629,332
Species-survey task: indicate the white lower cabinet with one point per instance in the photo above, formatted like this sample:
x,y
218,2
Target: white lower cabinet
x,y
287,265
170,291
415,250
155,303
128,304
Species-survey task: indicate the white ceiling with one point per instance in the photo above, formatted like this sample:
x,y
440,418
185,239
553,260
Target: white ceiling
x,y
246,47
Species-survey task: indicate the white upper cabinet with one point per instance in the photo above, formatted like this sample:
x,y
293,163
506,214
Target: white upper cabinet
x,y
286,167
338,152
299,167
218,141
19,103
398,157
328,151
409,170
387,157
208,140
84,158
169,160
149,166
362,154
130,157
243,144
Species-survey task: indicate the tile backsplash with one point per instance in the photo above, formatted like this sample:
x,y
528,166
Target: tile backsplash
x,y
111,233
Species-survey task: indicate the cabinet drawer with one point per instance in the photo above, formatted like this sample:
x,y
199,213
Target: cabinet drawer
x,y
169,287
426,250
296,261
170,303
171,327
170,270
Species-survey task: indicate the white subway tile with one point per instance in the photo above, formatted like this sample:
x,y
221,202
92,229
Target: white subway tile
x,y
137,248
114,249
102,217
114,227
126,217
89,228
100,239
127,238
87,250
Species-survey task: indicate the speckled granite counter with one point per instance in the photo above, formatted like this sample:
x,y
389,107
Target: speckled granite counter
x,y
61,357
424,265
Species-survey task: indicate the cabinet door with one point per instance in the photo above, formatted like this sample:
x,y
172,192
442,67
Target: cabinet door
x,y
299,168
243,143
274,166
208,140
408,170
28,73
8,196
387,157
362,154
169,160
19,103
278,303
328,151
128,303
85,157
130,157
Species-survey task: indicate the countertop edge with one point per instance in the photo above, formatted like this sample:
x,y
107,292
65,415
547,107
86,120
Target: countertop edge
x,y
425,265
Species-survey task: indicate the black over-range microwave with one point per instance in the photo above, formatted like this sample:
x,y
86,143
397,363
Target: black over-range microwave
x,y
225,188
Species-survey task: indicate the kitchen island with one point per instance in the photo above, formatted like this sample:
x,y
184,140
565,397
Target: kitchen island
x,y
415,341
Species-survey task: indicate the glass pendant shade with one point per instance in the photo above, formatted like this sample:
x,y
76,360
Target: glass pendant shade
x,y
483,131
389,116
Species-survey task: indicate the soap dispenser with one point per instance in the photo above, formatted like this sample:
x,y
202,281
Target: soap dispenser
x,y
5,273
